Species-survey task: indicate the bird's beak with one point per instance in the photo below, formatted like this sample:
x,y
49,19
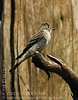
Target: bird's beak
x,y
53,28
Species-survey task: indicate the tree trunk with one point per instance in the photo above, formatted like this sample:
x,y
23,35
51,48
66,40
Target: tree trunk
x,y
22,18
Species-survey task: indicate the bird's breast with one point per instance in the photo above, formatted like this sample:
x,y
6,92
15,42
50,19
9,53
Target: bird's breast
x,y
43,43
47,36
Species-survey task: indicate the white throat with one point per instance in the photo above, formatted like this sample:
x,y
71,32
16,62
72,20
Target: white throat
x,y
48,35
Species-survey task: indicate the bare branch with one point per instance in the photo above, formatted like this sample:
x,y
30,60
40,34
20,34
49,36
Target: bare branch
x,y
59,67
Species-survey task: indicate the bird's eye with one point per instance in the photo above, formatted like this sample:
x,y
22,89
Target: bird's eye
x,y
48,26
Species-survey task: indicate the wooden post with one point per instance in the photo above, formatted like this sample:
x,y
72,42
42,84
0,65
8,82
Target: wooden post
x,y
22,18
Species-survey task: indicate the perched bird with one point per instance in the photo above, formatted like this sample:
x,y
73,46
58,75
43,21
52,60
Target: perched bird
x,y
38,42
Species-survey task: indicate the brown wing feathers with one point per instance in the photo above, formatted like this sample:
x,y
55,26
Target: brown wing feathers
x,y
37,37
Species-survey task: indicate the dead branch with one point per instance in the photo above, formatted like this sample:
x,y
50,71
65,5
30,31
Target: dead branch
x,y
59,67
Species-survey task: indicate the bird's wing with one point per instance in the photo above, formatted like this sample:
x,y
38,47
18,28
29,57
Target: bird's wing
x,y
36,38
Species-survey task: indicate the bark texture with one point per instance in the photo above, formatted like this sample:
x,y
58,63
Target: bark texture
x,y
21,19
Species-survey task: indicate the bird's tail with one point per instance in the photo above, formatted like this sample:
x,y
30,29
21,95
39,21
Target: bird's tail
x,y
16,65
19,56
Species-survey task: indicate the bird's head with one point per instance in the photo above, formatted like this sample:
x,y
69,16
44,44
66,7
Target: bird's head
x,y
46,26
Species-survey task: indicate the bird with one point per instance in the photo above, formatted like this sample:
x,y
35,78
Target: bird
x,y
38,42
